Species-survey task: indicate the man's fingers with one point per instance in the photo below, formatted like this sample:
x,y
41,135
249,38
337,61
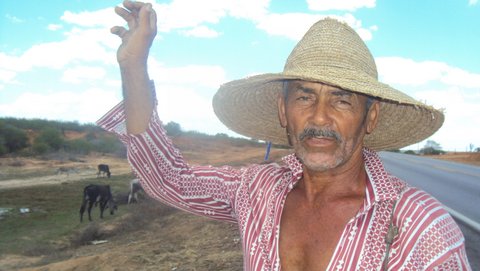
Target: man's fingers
x,y
125,14
148,17
153,20
118,30
133,5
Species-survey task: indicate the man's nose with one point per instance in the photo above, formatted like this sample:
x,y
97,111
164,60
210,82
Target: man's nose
x,y
320,115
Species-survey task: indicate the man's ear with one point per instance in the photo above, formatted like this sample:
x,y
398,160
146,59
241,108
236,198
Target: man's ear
x,y
281,99
372,117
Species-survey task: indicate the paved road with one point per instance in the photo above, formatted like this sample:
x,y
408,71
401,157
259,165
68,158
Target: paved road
x,y
456,185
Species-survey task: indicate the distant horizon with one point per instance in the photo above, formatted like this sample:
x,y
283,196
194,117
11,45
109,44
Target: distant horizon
x,y
234,136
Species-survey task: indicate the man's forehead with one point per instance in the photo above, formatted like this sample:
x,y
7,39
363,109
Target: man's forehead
x,y
311,86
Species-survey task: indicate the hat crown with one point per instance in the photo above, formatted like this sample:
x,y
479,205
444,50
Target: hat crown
x,y
330,44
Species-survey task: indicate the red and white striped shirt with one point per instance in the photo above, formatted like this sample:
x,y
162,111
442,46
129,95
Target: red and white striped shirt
x,y
254,196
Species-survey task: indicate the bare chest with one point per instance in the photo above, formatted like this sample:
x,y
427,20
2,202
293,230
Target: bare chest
x,y
308,238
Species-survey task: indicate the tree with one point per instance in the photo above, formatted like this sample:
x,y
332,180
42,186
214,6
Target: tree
x,y
472,147
12,138
432,148
173,129
50,137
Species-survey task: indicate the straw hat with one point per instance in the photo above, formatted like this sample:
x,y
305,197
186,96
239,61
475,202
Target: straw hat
x,y
332,53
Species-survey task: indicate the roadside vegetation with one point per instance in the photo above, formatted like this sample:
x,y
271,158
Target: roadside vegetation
x,y
47,139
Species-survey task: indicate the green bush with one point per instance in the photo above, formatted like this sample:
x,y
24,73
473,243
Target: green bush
x,y
173,129
431,151
108,144
3,149
40,147
12,138
78,146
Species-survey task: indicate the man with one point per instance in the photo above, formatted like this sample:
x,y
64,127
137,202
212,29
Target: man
x,y
332,205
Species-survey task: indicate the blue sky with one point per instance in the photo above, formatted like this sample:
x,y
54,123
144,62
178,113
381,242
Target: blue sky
x,y
57,59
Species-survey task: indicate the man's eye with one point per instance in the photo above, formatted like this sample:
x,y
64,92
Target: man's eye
x,y
303,98
343,103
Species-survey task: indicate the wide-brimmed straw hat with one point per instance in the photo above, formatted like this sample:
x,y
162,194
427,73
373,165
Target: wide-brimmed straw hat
x,y
331,53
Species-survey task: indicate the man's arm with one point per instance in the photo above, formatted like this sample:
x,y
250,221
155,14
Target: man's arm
x,y
132,57
162,170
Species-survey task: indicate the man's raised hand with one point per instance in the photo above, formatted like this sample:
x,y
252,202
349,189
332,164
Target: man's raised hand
x,y
138,38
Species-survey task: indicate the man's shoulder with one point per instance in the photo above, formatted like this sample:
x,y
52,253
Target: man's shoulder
x,y
270,167
266,172
419,203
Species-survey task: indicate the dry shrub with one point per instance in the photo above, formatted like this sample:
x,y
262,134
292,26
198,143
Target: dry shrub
x,y
91,233
141,214
17,163
138,217
39,249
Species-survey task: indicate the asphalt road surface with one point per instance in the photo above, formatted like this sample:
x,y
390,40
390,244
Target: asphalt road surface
x,y
455,185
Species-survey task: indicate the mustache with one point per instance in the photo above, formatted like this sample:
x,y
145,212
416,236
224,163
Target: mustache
x,y
310,132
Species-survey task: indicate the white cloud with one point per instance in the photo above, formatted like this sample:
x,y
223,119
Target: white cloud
x,y
403,71
185,95
350,5
248,9
10,66
54,27
7,76
80,74
294,25
187,14
14,19
458,77
184,105
99,18
472,2
461,116
194,75
80,46
12,63
86,106
201,32
441,86
290,25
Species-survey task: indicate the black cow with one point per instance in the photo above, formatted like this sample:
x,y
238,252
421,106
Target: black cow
x,y
135,187
103,169
95,194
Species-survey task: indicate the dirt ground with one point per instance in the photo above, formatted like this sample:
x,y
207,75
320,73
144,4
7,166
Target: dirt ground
x,y
471,158
173,240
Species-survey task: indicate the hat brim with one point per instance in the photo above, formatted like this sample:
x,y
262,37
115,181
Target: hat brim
x,y
249,107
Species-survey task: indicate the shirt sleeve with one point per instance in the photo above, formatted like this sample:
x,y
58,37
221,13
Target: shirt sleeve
x,y
429,237
166,176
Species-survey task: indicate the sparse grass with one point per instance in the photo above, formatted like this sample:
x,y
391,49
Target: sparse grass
x,y
11,172
53,216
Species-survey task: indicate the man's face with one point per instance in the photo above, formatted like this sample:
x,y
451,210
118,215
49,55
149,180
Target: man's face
x,y
325,124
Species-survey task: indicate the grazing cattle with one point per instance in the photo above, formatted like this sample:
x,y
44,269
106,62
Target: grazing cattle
x,y
135,187
103,169
95,194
